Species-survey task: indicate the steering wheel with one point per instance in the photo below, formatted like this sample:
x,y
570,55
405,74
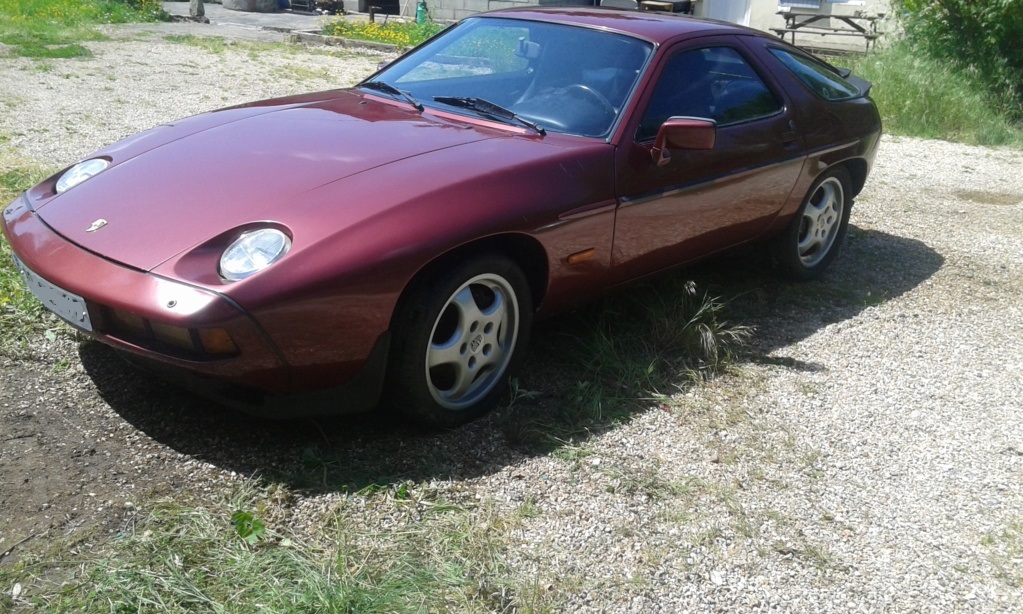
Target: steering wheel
x,y
593,94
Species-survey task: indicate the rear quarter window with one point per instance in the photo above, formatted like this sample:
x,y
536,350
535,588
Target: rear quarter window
x,y
817,76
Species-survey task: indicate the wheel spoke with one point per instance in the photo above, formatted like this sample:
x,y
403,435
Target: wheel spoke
x,y
465,377
468,310
808,236
448,353
829,208
496,316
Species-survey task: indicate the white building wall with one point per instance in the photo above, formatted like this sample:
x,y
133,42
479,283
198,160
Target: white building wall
x,y
759,14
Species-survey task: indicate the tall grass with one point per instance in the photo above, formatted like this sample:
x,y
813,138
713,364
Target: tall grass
x,y
919,95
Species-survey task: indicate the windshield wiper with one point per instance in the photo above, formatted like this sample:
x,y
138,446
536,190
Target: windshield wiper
x,y
387,88
485,107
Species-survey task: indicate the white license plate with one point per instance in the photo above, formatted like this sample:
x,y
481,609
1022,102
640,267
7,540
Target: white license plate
x,y
68,306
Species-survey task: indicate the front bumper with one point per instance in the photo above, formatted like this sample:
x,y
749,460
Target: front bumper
x,y
359,394
147,315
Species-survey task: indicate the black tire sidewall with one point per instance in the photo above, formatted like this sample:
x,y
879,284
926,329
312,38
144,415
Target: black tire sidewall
x,y
786,248
407,389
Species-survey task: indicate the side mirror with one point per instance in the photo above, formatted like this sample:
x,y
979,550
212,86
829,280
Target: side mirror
x,y
685,133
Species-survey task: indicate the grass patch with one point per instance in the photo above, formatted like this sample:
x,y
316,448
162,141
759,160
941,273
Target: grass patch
x,y
923,97
430,556
59,52
53,28
212,44
399,33
48,35
78,12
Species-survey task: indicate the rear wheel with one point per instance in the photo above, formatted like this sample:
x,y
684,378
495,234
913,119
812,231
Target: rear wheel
x,y
459,334
813,238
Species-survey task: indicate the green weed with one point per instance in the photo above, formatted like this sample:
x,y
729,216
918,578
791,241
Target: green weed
x,y
248,527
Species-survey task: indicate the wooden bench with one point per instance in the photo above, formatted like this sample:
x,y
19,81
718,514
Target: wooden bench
x,y
806,23
870,37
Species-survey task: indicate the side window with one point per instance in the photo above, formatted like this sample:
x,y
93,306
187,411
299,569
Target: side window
x,y
817,76
715,83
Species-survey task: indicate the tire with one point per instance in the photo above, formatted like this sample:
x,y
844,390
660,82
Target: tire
x,y
814,237
459,334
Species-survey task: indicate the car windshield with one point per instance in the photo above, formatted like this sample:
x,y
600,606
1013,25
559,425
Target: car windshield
x,y
566,79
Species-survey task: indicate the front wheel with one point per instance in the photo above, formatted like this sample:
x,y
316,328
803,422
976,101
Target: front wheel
x,y
813,238
459,334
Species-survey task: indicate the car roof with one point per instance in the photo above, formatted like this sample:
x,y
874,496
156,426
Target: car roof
x,y
658,27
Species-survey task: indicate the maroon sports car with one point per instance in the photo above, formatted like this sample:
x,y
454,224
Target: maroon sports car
x,y
396,239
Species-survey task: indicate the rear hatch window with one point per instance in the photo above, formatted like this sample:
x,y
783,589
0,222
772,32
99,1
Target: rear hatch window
x,y
823,79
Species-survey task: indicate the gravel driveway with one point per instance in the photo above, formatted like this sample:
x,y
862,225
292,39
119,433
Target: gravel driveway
x,y
870,459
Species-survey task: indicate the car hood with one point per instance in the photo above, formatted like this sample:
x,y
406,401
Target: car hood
x,y
179,185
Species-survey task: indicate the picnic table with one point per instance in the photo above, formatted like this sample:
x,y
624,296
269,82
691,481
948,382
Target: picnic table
x,y
856,24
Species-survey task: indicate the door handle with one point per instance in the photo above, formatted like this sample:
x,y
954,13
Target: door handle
x,y
790,140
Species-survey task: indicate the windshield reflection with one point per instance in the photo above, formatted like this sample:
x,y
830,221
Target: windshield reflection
x,y
567,79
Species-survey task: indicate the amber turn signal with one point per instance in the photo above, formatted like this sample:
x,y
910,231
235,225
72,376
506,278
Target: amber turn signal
x,y
582,256
217,341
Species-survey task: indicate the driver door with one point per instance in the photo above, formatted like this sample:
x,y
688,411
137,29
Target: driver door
x,y
701,202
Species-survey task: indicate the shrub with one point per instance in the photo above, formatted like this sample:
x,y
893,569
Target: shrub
x,y
983,37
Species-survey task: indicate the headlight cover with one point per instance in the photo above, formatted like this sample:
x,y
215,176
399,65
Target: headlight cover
x,y
80,172
252,252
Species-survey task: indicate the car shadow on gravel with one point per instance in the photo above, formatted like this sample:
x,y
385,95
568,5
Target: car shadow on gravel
x,y
873,268
352,453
